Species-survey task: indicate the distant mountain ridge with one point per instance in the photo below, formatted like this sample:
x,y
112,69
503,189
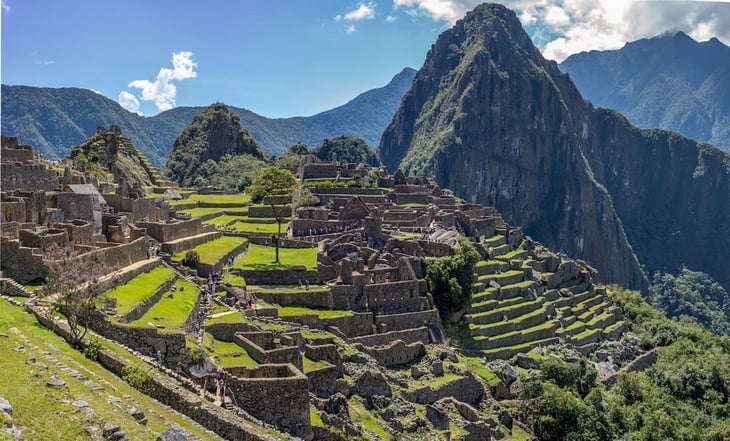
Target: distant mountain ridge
x,y
490,118
671,82
53,120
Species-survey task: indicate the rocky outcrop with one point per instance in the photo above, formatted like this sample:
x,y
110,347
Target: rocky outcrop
x,y
490,118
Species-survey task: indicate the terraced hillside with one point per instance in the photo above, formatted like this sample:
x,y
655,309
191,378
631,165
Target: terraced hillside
x,y
525,296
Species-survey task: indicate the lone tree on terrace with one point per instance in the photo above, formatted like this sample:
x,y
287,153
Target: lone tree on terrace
x,y
274,187
72,287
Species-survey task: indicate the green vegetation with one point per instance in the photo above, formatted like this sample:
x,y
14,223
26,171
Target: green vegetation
x,y
450,278
346,149
139,288
215,150
234,279
692,296
360,414
234,198
288,311
274,186
233,317
311,365
212,252
228,354
263,257
43,413
173,308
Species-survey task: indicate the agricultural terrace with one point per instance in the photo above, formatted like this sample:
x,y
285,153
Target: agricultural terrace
x,y
237,198
212,252
263,257
173,308
139,288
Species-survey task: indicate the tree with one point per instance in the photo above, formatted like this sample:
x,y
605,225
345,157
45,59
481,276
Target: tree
x,y
450,278
73,285
274,187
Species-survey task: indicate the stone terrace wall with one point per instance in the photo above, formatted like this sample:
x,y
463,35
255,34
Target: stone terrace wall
x,y
188,242
226,331
204,269
276,394
142,307
149,210
315,298
408,336
284,277
351,326
173,394
395,322
322,381
393,297
396,353
21,263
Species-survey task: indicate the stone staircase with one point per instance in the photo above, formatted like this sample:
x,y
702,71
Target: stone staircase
x,y
10,287
512,310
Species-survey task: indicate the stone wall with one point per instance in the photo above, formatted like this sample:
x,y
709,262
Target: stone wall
x,y
44,238
21,263
260,346
189,243
396,353
9,230
12,151
319,170
12,210
315,298
393,297
324,352
27,177
284,277
322,381
169,231
171,393
465,389
408,336
410,320
79,232
204,269
267,211
140,209
226,331
276,394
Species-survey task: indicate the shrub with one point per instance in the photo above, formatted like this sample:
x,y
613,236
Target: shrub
x,y
191,259
138,378
92,351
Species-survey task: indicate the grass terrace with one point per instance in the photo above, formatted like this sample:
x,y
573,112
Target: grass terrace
x,y
309,365
237,198
43,414
234,279
260,225
227,317
228,354
289,311
262,257
173,308
139,288
202,211
212,252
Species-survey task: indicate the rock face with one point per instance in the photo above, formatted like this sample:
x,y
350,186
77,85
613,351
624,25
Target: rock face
x,y
671,81
212,134
490,118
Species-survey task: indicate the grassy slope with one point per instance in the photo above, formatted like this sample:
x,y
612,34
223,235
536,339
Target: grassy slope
x,y
259,256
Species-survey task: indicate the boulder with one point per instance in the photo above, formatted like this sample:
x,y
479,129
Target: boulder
x,y
476,431
337,405
438,416
525,361
505,419
437,368
176,433
370,383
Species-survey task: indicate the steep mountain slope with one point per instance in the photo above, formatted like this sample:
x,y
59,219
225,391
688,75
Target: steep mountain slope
x,y
490,118
670,81
214,134
53,120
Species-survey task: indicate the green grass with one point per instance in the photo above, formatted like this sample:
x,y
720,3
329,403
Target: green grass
x,y
139,288
434,382
262,257
202,211
311,365
223,220
359,414
45,414
211,252
235,317
478,368
249,226
34,284
234,279
288,311
230,354
238,198
172,311
292,289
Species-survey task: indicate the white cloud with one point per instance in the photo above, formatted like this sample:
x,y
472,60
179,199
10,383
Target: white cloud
x,y
129,102
44,62
98,93
563,27
362,12
162,91
350,29
390,19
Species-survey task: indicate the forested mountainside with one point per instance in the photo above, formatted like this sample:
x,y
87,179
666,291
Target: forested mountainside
x,y
52,120
670,81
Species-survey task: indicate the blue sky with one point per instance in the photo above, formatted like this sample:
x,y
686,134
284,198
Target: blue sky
x,y
289,57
